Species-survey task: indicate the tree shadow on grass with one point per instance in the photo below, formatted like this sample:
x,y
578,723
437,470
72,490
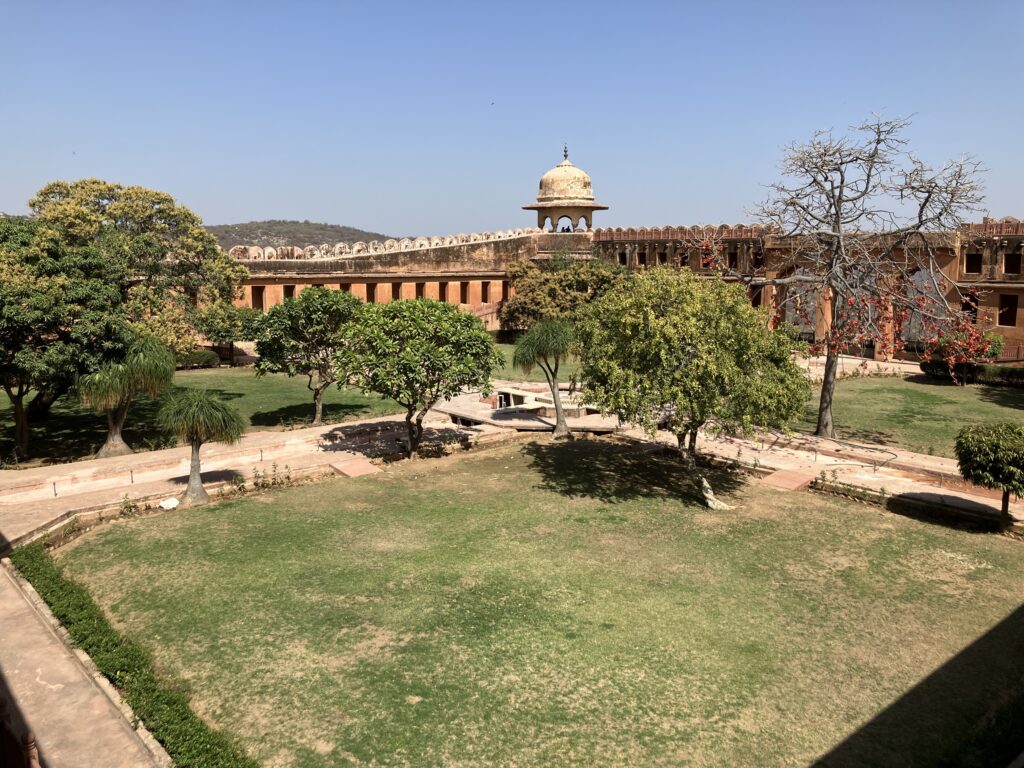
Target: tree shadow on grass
x,y
967,713
301,414
615,472
1004,397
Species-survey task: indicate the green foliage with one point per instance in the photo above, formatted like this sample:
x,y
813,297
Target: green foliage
x,y
198,358
224,323
992,456
555,290
975,373
199,416
162,707
279,232
147,368
420,352
546,344
668,349
309,336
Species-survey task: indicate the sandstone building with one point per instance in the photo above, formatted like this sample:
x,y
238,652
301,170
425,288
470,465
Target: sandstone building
x,y
471,269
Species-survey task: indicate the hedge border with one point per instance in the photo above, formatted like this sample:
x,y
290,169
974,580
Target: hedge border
x,y
156,701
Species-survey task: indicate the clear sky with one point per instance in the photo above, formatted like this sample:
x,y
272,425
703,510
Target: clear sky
x,y
439,117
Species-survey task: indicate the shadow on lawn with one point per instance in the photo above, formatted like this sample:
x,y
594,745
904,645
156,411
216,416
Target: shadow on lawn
x,y
966,713
614,472
302,414
1005,397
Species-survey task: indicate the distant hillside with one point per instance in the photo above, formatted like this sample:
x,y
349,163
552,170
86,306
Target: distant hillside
x,y
277,233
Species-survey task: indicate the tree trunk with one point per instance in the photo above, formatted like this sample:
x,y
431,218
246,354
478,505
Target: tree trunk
x,y
687,449
39,406
828,390
20,424
318,407
194,494
562,431
115,444
1007,520
415,430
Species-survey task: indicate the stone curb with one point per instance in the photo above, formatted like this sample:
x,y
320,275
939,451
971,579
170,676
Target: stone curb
x,y
155,749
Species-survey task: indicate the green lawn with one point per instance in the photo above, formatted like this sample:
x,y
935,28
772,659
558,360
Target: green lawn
x,y
271,402
919,414
568,605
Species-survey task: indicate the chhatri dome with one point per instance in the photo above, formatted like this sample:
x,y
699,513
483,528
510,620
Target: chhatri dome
x,y
565,192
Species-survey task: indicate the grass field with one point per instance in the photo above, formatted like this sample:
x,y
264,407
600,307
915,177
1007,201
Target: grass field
x,y
569,605
919,414
271,402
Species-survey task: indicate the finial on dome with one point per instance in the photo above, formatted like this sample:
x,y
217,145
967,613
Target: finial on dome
x,y
565,151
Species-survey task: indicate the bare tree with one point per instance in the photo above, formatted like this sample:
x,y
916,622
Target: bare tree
x,y
860,218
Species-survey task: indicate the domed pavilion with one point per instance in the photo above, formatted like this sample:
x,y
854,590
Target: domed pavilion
x,y
565,192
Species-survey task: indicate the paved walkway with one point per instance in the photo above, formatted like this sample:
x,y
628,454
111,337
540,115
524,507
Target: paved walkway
x,y
75,723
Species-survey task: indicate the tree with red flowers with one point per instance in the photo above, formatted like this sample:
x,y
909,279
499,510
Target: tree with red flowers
x,y
862,217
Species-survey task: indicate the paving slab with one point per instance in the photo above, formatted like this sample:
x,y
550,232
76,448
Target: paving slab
x,y
355,467
788,480
75,723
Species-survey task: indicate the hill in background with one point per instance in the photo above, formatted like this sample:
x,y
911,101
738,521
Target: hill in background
x,y
277,233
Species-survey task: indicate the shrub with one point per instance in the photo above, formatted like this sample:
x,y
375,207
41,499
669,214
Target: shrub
x,y
163,708
975,373
992,456
199,358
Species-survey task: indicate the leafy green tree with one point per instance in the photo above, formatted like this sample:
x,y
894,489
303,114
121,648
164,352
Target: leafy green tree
x,y
198,416
992,456
163,243
546,346
225,323
418,353
146,369
554,290
308,336
670,350
34,346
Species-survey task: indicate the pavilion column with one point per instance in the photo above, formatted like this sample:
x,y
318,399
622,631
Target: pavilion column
x,y
359,290
408,290
432,290
823,314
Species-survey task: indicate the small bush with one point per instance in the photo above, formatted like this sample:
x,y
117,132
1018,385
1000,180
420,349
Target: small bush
x,y
975,373
199,358
163,708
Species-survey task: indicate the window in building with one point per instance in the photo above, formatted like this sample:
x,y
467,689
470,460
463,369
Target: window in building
x,y
257,298
972,264
1011,263
623,258
485,291
396,291
318,285
289,291
346,287
420,290
371,293
504,290
641,259
464,293
970,306
442,291
758,259
1008,309
733,259
755,296
662,257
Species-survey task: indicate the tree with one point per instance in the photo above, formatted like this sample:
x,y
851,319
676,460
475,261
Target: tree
x,y
147,368
862,216
225,323
992,456
554,290
546,345
308,335
418,353
197,416
163,242
962,344
671,350
34,345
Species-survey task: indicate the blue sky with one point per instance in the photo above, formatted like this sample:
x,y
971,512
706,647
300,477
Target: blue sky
x,y
433,118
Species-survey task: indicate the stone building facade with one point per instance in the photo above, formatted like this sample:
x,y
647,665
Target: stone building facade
x,y
471,269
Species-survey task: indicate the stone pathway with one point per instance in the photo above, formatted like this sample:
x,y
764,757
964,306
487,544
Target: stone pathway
x,y
75,723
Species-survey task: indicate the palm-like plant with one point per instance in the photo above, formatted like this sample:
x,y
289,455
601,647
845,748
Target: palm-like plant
x,y
545,346
147,368
197,416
